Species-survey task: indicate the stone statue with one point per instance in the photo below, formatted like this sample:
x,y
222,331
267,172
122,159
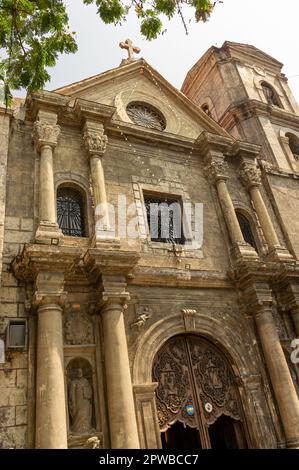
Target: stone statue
x,y
80,404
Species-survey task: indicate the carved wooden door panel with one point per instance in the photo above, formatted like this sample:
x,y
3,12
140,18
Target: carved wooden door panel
x,y
196,385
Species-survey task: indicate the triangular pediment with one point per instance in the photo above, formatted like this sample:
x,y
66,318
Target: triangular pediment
x,y
139,82
252,54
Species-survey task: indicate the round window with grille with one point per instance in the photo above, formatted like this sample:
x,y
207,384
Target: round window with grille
x,y
145,115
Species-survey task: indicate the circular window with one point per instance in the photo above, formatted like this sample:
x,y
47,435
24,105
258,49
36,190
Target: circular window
x,y
146,116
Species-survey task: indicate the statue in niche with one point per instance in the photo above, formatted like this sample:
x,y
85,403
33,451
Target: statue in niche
x,y
80,398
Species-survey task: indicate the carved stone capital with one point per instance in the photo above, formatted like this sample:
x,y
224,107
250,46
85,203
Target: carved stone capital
x,y
49,289
257,297
45,134
216,169
95,140
113,294
250,175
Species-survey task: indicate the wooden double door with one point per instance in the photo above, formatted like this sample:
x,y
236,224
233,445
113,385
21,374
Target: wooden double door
x,y
197,398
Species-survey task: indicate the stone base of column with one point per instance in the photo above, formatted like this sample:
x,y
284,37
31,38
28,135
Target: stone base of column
x,y
292,444
244,251
278,253
49,233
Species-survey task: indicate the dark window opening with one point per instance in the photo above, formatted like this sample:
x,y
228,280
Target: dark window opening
x,y
164,218
70,212
294,144
271,95
206,110
246,230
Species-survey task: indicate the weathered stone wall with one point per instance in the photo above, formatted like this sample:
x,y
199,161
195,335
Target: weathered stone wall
x,y
19,224
133,164
4,139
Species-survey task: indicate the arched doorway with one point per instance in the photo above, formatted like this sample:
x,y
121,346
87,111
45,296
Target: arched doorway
x,y
197,398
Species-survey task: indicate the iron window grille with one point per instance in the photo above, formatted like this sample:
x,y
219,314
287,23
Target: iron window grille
x,y
246,230
70,212
165,219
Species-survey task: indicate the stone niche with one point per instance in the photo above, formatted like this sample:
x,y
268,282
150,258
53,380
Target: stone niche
x,y
82,402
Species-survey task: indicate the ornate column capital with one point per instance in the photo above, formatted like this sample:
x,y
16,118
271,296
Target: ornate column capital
x,y
216,170
45,134
113,294
250,175
95,141
49,289
256,296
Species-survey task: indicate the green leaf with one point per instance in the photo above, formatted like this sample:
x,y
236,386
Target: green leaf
x,y
151,27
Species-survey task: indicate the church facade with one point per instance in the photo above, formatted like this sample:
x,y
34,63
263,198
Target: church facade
x,y
149,259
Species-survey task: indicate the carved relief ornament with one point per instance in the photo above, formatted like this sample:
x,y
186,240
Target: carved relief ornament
x,y
95,141
250,175
78,329
46,134
216,170
143,313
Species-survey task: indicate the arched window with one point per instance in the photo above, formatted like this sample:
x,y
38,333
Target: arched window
x,y
294,144
271,95
246,229
70,211
206,109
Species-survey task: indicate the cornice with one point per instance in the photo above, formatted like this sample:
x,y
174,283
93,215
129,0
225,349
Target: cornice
x,y
250,108
138,133
246,272
89,110
216,143
169,277
101,261
36,258
46,101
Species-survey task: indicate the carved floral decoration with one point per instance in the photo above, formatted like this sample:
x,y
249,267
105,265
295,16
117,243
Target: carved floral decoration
x,y
45,133
95,141
216,169
250,175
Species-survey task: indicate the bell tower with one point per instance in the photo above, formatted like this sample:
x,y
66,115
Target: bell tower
x,y
245,91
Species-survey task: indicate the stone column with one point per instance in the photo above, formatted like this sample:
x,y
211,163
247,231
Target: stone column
x,y
250,177
121,410
46,133
51,419
216,170
95,143
279,372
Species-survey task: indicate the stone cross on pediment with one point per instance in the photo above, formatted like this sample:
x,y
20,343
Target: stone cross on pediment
x,y
128,45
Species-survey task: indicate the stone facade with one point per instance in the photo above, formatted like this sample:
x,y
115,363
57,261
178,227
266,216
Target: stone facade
x,y
101,309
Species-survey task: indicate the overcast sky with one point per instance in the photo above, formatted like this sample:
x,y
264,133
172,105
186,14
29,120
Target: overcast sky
x,y
270,25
